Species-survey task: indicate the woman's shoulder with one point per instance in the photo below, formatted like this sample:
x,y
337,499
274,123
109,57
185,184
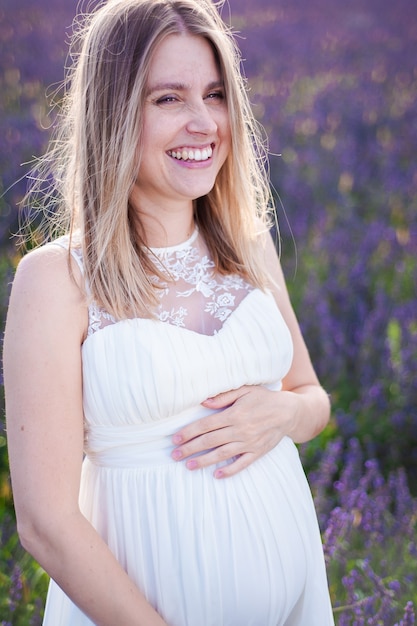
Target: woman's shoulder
x,y
53,257
49,260
47,308
49,277
42,261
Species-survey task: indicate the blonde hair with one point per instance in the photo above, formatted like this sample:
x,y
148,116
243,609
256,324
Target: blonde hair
x,y
96,154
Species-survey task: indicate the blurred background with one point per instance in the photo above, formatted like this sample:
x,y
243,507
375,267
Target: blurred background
x,y
334,84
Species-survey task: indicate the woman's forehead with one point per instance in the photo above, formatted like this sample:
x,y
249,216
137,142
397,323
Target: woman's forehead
x,y
179,56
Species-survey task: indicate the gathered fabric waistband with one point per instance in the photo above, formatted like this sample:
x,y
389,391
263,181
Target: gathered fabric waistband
x,y
135,445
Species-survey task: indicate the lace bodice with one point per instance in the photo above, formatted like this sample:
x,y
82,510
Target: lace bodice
x,y
193,296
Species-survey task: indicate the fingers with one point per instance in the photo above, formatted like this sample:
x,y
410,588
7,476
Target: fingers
x,y
240,463
214,421
214,431
210,423
237,462
242,427
227,398
214,457
226,445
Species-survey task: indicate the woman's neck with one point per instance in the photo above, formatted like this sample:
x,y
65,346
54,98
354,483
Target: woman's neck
x,y
166,227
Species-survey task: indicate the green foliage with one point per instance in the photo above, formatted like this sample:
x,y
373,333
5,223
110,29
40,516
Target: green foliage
x,y
353,579
6,273
23,583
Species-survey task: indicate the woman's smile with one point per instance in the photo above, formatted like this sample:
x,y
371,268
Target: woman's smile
x,y
193,154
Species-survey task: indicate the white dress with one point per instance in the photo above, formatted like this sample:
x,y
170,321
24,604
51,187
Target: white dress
x,y
240,551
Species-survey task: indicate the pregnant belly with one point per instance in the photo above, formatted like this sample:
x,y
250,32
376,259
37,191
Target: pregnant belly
x,y
207,551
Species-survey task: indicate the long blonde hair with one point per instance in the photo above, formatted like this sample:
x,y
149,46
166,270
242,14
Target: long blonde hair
x,y
95,155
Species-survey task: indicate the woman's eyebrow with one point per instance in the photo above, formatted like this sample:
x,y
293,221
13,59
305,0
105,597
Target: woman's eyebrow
x,y
181,86
168,87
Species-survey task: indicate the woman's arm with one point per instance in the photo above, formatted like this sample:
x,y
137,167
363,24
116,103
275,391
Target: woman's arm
x,y
45,327
310,410
300,410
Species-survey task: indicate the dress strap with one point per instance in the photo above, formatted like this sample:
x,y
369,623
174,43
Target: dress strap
x,y
78,258
98,318
76,253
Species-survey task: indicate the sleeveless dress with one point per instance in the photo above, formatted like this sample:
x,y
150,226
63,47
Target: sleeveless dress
x,y
242,551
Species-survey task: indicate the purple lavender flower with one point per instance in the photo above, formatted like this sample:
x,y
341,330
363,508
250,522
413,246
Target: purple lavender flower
x,y
409,615
337,533
16,588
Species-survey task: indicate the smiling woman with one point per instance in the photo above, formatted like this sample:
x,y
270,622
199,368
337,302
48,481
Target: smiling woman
x,y
156,377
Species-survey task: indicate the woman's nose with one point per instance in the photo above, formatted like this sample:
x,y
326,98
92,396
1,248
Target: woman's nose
x,y
201,120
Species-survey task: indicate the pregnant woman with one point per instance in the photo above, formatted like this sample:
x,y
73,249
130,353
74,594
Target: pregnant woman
x,y
156,377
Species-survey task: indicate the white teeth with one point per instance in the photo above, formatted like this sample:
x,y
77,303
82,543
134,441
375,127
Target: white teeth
x,y
191,154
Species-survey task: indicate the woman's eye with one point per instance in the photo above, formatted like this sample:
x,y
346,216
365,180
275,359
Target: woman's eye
x,y
212,96
215,95
166,100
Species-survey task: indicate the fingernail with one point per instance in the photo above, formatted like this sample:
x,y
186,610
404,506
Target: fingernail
x,y
218,474
192,464
177,454
177,439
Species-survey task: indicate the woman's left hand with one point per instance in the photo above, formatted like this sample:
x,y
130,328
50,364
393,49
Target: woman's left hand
x,y
249,422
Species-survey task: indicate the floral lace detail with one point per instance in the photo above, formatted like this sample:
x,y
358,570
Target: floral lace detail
x,y
193,296
98,318
192,275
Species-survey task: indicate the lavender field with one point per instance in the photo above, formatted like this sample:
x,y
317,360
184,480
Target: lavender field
x,y
335,86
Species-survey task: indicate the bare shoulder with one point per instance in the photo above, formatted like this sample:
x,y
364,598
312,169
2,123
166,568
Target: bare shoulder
x,y
49,262
273,264
48,284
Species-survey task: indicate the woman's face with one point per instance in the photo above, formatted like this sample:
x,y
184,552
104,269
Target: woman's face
x,y
186,129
